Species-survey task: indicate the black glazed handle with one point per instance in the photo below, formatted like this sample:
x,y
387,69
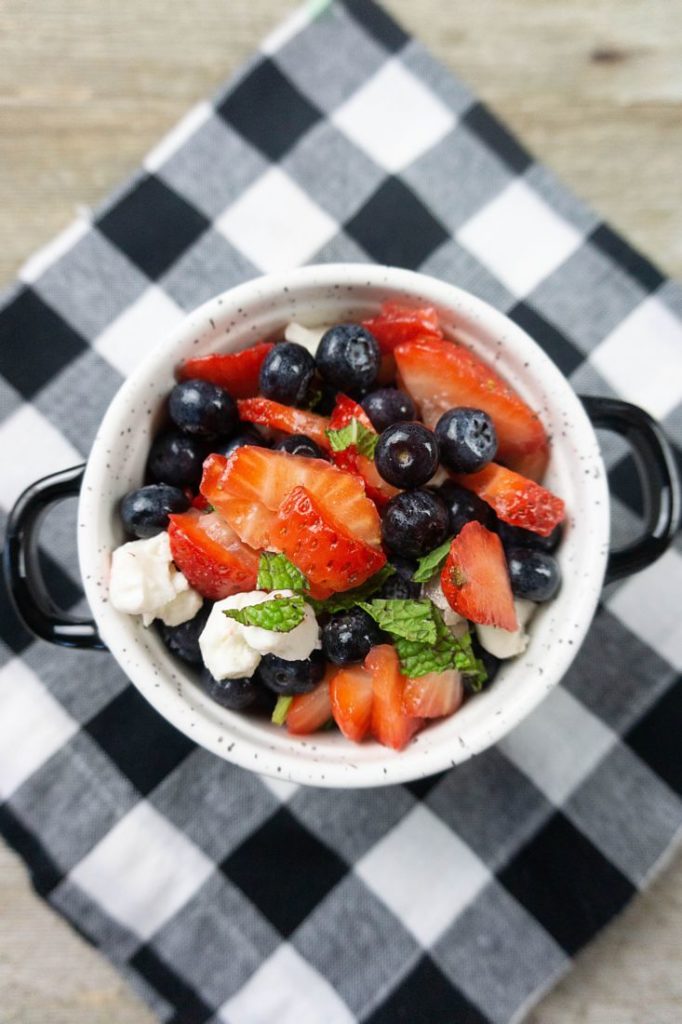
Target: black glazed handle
x,y
659,478
21,565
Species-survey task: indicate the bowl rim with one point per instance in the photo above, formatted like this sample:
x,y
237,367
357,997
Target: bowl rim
x,y
240,743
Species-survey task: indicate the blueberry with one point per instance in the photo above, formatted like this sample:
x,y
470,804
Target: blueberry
x,y
516,536
467,439
202,409
183,640
145,511
327,400
234,694
286,373
414,523
348,357
300,444
464,506
534,575
406,454
225,446
177,459
404,567
387,406
287,678
348,636
399,588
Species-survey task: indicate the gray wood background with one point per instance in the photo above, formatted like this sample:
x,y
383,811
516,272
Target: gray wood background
x,y
594,87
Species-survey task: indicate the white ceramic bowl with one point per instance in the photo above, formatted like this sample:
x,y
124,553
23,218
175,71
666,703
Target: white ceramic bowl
x,y
324,294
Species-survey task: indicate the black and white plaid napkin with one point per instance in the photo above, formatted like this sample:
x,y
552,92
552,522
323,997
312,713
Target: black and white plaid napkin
x,y
230,898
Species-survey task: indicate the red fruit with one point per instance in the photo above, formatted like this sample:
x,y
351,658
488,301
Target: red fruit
x,y
211,555
516,500
397,324
199,501
259,476
351,698
308,712
376,487
327,555
236,371
286,418
440,375
434,695
475,579
390,725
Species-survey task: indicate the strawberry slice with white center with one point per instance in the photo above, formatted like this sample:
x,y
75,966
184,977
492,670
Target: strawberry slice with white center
x,y
211,555
475,579
262,478
433,695
284,417
440,375
516,499
308,712
329,557
352,695
376,487
390,724
237,372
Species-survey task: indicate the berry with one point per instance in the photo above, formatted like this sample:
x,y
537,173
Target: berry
x,y
299,444
348,357
404,567
475,580
233,694
287,678
348,636
406,454
286,373
177,459
414,523
202,409
376,487
308,712
464,506
210,554
145,511
183,640
329,557
237,372
285,418
433,695
352,697
390,724
249,488
387,406
516,536
396,324
516,499
467,439
401,588
226,447
534,575
440,375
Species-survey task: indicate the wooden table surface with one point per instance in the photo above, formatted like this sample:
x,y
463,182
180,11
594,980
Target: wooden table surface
x,y
594,87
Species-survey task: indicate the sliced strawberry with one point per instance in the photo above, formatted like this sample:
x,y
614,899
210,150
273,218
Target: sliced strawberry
x,y
264,477
199,501
434,695
396,324
328,556
351,696
211,555
237,372
308,712
346,410
286,418
376,487
475,579
440,375
390,725
516,499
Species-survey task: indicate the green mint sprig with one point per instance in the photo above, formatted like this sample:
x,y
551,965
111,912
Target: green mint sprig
x,y
276,572
430,564
403,618
280,614
353,435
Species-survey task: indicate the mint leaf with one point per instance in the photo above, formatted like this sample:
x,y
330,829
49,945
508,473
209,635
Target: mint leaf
x,y
418,659
406,619
281,614
430,564
470,666
280,710
276,572
349,598
354,435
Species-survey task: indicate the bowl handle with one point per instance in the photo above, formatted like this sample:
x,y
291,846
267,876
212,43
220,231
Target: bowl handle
x,y
21,565
659,477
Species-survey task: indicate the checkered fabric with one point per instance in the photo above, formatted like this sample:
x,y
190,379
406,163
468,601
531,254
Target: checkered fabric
x,y
227,897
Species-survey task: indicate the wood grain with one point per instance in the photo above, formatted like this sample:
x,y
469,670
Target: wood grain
x,y
594,87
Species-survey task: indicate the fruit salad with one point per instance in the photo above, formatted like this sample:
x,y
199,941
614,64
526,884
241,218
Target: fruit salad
x,y
344,527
